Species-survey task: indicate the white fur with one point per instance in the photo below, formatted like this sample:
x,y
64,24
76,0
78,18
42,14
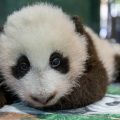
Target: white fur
x,y
37,31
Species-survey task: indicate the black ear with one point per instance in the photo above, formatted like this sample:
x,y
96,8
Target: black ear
x,y
1,28
79,26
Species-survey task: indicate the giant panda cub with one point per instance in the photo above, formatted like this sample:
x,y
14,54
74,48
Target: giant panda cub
x,y
51,61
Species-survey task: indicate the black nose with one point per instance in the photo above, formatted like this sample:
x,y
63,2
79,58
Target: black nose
x,y
42,100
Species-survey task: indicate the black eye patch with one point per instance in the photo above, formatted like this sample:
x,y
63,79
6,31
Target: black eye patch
x,y
21,68
59,63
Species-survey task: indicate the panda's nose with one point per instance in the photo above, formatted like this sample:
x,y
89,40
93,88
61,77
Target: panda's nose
x,y
41,99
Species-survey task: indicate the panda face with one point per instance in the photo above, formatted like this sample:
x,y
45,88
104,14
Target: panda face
x,y
23,71
41,54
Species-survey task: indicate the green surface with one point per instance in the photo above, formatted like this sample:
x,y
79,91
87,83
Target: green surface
x,y
87,9
75,117
114,89
80,117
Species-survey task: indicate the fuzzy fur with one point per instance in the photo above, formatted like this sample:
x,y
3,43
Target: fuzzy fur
x,y
39,30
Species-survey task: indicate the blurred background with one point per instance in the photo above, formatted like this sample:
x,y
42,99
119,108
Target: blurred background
x,y
101,15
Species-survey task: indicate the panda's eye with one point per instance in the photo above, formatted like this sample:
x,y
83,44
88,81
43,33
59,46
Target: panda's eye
x,y
24,66
55,62
21,68
59,63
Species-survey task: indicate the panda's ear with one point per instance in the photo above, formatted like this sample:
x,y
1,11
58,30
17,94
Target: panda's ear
x,y
79,26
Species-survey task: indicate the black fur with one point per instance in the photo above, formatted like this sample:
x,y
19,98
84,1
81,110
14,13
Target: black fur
x,y
1,28
79,28
64,65
6,94
117,68
21,68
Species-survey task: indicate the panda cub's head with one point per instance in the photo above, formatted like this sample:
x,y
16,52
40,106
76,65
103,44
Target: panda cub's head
x,y
41,55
